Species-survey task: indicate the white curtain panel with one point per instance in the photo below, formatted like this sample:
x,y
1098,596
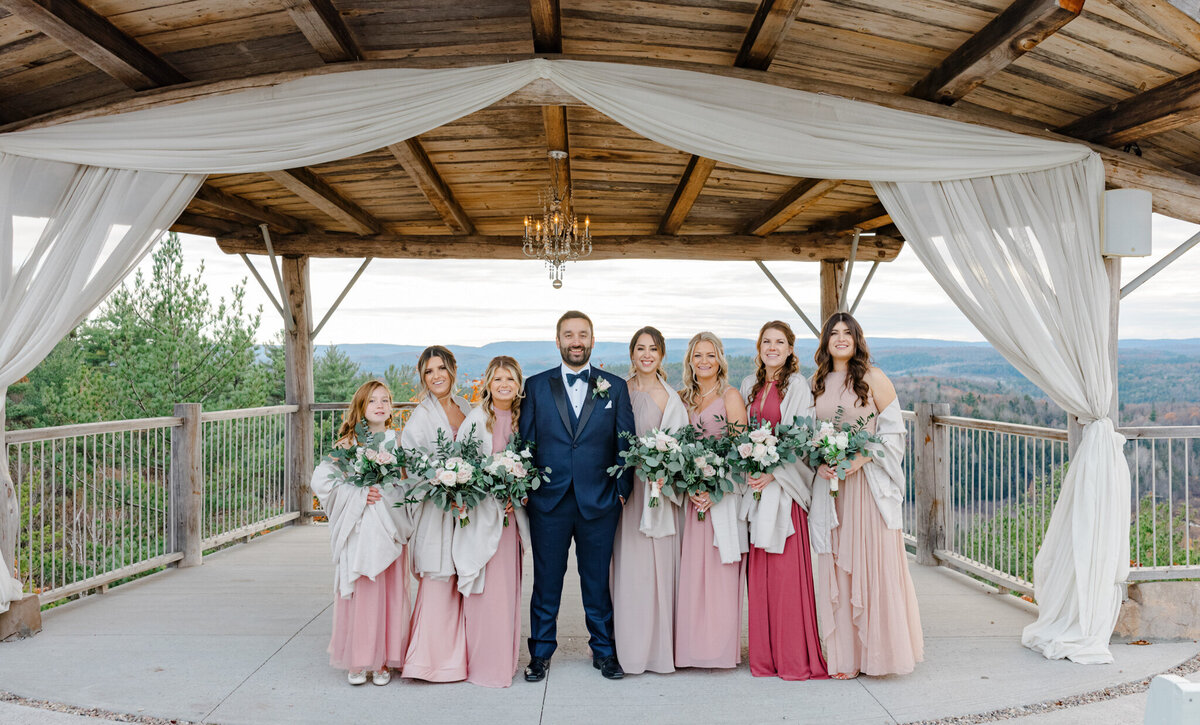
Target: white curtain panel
x,y
99,223
1019,254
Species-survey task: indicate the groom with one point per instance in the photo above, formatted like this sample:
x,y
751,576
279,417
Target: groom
x,y
573,413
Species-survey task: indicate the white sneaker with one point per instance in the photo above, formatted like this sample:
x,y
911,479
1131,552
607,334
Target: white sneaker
x,y
381,677
357,678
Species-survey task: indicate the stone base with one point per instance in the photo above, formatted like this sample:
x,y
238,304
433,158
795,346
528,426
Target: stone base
x,y
23,619
1162,611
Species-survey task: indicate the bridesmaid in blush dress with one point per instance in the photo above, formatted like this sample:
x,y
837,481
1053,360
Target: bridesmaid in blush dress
x,y
437,647
867,600
711,573
645,562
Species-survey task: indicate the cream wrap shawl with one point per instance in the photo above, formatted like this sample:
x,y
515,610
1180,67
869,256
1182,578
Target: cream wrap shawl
x,y
885,476
364,539
659,521
434,533
476,543
771,517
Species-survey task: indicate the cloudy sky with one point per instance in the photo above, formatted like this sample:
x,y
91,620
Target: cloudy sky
x,y
476,302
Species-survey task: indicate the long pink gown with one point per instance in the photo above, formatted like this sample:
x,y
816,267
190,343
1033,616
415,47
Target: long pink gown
x,y
708,610
865,592
493,617
783,609
370,629
644,574
437,648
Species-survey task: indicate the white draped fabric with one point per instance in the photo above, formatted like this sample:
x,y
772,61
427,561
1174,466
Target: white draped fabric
x,y
1019,255
969,193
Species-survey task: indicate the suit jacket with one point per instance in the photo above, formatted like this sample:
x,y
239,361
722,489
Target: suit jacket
x,y
579,454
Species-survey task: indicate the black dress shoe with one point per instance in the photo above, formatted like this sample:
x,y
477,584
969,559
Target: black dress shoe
x,y
609,667
535,671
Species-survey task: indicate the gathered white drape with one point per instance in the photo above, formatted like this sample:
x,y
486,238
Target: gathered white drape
x,y
1019,255
988,211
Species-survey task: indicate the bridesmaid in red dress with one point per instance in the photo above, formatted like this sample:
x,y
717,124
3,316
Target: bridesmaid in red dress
x,y
783,614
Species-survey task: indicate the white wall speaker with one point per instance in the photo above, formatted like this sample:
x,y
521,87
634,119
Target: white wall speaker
x,y
1127,223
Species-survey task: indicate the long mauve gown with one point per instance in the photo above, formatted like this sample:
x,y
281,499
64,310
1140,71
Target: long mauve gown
x,y
644,572
437,647
783,609
865,591
708,610
493,617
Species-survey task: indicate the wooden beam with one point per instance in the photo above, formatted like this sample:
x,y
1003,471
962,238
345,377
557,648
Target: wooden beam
x,y
316,191
546,19
867,219
686,193
298,382
771,23
1011,34
213,197
800,197
833,273
206,226
325,29
92,37
1167,107
415,161
555,120
807,246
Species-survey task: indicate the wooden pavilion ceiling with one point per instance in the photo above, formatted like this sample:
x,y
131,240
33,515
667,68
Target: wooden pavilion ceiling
x,y
1110,72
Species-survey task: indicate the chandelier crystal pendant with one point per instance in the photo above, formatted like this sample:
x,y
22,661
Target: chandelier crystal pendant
x,y
557,238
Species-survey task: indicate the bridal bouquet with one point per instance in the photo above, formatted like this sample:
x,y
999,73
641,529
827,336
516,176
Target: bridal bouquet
x,y
705,468
836,443
758,449
452,476
512,474
656,457
366,464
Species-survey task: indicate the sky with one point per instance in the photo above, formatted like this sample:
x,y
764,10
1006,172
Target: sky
x,y
420,302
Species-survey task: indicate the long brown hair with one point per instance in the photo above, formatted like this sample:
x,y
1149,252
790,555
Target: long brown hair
x,y
489,407
358,410
790,366
447,357
691,386
659,340
860,362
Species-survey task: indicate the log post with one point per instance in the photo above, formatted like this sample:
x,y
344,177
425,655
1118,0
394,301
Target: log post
x,y
933,481
832,276
187,484
298,346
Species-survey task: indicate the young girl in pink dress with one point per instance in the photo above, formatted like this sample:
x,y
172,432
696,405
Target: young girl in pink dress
x,y
488,551
870,623
711,573
368,537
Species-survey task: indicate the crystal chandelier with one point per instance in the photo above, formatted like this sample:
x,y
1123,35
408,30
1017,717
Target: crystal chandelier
x,y
556,238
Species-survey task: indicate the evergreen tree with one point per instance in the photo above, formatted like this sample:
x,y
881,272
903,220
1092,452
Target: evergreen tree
x,y
335,376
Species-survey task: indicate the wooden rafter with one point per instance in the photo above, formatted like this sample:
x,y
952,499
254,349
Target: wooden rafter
x,y
92,37
800,197
415,161
1167,107
213,197
324,28
316,191
807,246
547,26
206,226
554,118
1014,32
686,193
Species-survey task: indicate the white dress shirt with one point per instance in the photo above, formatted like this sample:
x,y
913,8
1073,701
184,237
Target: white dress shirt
x,y
577,393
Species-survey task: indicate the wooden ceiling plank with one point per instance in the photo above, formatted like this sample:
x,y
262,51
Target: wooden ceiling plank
x,y
1173,24
324,28
316,191
1172,105
412,156
92,37
867,219
547,26
783,247
800,197
691,184
206,226
214,197
767,31
1014,32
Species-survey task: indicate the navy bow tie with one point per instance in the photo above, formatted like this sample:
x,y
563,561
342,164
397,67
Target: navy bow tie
x,y
584,375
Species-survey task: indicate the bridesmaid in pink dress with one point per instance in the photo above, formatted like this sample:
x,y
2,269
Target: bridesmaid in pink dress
x,y
783,610
437,644
709,607
493,617
869,605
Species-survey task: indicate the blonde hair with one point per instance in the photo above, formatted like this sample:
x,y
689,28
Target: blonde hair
x,y
659,340
447,358
691,386
358,410
502,362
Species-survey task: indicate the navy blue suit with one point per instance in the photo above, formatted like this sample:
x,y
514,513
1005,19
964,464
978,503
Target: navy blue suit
x,y
580,501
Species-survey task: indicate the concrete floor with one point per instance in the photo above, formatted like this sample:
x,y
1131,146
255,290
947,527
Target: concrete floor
x,y
242,640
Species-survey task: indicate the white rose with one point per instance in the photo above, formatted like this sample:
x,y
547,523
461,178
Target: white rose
x,y
464,473
758,435
700,461
841,440
602,385
709,471
454,463
745,450
519,471
759,450
446,478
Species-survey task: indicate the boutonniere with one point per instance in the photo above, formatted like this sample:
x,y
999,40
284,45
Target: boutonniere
x,y
600,389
